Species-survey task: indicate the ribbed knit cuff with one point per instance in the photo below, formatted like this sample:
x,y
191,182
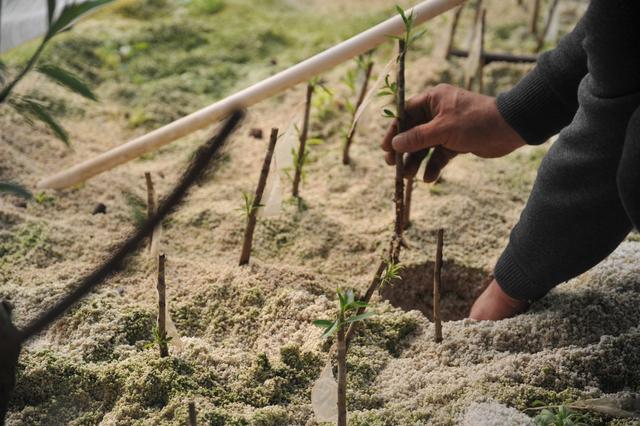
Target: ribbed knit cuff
x,y
513,280
532,109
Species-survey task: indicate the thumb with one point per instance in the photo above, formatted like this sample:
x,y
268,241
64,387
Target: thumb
x,y
420,137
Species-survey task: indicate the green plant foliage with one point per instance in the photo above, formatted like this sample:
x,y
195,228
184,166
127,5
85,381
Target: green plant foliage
x,y
137,208
391,273
207,6
67,79
561,416
32,109
158,339
248,206
347,305
14,188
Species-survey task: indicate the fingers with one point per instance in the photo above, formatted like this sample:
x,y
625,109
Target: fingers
x,y
412,162
420,137
391,132
438,160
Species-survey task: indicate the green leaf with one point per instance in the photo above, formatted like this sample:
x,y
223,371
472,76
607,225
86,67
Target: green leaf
x,y
360,317
401,12
32,109
51,8
359,304
70,13
342,298
330,330
388,113
350,297
323,323
384,93
15,189
66,79
315,141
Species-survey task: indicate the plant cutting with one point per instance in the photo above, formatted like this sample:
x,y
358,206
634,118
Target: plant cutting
x,y
347,315
252,203
437,287
160,332
397,90
300,155
364,68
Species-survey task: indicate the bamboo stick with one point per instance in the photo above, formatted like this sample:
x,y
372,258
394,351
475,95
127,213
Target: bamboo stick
x,y
162,308
533,17
303,142
298,73
437,287
342,374
257,198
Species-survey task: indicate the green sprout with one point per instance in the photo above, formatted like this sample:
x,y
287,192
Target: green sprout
x,y
561,416
391,273
248,207
157,339
348,305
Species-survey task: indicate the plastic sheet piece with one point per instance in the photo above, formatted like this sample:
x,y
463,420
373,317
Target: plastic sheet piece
x,y
324,396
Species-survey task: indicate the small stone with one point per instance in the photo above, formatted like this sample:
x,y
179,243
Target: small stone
x,y
20,204
256,133
273,61
100,208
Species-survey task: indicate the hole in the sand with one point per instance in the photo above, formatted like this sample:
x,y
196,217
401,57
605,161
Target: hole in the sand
x,y
460,287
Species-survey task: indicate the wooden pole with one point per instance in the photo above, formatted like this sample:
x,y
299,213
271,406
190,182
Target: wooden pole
x,y
545,31
437,287
497,57
257,198
193,417
303,71
451,31
352,131
303,142
151,201
396,242
475,61
476,16
533,17
162,308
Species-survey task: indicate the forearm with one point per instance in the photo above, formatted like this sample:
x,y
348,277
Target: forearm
x,y
545,100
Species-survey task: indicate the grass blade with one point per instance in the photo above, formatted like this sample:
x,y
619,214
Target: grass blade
x,y
70,13
32,109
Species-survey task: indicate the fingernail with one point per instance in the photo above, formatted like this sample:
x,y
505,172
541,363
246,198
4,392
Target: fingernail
x,y
397,140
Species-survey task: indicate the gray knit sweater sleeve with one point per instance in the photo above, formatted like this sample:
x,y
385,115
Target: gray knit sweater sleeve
x,y
545,100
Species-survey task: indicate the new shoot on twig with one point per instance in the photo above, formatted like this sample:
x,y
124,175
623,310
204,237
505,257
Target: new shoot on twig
x,y
364,67
347,314
252,203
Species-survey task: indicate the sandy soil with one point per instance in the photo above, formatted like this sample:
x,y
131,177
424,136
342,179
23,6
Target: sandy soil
x,y
250,353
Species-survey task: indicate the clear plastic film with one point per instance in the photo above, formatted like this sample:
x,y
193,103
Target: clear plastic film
x,y
324,396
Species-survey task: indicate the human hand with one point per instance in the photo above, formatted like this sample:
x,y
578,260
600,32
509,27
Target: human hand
x,y
452,121
494,304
